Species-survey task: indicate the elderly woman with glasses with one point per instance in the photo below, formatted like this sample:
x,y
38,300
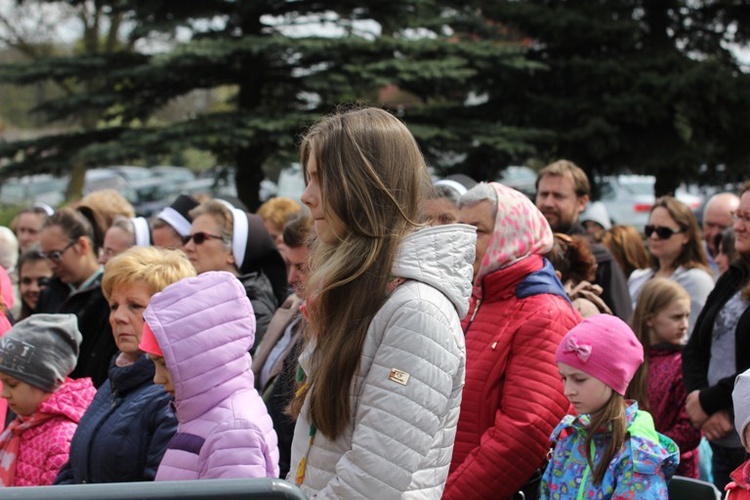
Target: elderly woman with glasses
x,y
67,241
224,238
719,350
674,241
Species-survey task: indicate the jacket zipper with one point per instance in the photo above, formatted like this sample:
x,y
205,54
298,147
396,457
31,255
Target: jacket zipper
x,y
473,315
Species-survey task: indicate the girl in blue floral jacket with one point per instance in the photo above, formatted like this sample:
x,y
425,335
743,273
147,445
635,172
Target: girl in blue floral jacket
x,y
610,450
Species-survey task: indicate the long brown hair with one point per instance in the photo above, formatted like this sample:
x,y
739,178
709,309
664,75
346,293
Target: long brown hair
x,y
626,245
657,294
692,254
373,179
612,418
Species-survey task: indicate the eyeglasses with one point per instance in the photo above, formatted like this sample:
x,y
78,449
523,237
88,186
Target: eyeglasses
x,y
663,233
40,282
200,237
740,217
56,255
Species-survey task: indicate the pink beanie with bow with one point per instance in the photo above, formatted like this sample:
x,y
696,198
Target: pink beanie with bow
x,y
604,347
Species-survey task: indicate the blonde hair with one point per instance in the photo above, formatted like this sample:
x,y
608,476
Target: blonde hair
x,y
373,180
156,267
106,204
655,296
612,418
277,211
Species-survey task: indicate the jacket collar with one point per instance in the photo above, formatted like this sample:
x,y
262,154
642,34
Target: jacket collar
x,y
125,378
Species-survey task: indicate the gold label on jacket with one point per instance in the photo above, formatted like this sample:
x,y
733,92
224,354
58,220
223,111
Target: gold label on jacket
x,y
398,376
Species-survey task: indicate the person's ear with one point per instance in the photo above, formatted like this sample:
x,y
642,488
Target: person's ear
x,y
582,202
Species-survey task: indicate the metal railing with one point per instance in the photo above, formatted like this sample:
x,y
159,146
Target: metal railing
x,y
214,489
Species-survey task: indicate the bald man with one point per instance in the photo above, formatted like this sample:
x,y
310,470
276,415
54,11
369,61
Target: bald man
x,y
717,216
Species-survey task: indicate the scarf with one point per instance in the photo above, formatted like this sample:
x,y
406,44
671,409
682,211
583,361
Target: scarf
x,y
520,230
10,440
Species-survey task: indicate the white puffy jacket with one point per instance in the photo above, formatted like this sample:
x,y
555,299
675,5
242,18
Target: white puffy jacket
x,y
407,392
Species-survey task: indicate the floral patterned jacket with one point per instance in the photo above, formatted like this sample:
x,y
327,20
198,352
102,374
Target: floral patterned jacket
x,y
639,471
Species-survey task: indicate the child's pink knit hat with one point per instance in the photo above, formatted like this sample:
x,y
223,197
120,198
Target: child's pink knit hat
x,y
604,347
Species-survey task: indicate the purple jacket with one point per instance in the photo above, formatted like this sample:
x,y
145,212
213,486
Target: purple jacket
x,y
205,327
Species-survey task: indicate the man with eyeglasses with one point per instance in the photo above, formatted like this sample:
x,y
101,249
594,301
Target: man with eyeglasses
x,y
563,191
717,216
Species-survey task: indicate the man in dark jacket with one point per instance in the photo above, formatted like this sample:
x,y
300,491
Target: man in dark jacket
x,y
562,193
275,359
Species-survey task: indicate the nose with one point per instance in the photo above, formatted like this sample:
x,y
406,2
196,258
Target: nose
x,y
159,378
291,276
118,315
190,245
307,197
5,393
568,389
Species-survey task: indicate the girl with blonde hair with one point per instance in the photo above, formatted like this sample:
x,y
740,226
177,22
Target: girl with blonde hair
x,y
660,322
383,368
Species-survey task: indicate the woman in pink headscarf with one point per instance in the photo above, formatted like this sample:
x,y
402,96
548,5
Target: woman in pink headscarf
x,y
513,396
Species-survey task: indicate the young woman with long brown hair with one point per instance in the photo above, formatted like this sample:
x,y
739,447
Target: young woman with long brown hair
x,y
383,368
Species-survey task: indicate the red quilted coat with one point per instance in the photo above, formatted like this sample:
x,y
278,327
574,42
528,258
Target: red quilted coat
x,y
513,397
43,449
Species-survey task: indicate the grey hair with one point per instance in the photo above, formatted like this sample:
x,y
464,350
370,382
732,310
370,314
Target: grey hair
x,y
8,249
479,193
123,223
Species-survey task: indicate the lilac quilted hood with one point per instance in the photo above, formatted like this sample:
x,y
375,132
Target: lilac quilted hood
x,y
205,327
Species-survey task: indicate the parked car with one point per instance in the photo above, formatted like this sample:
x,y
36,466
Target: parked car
x,y
177,175
629,198
148,196
132,173
102,178
29,189
519,178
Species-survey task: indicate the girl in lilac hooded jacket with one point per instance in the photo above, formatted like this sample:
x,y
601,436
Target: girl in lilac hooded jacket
x,y
198,333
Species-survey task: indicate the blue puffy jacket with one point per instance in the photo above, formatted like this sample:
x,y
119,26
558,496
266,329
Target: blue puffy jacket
x,y
124,433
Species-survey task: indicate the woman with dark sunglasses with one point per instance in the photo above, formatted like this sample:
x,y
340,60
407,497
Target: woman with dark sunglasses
x,y
719,351
67,242
33,274
224,238
674,241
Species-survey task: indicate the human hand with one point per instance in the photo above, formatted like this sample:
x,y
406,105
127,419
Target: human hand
x,y
717,426
694,409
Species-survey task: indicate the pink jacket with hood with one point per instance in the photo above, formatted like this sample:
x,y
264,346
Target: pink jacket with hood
x,y
44,448
205,327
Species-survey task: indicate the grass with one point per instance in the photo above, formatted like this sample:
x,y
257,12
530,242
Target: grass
x,y
8,213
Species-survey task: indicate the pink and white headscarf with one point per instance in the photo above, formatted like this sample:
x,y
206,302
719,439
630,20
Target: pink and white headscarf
x,y
520,231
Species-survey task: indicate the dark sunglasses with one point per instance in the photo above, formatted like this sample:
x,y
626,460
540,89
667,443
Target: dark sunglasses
x,y
56,255
40,282
200,237
663,233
